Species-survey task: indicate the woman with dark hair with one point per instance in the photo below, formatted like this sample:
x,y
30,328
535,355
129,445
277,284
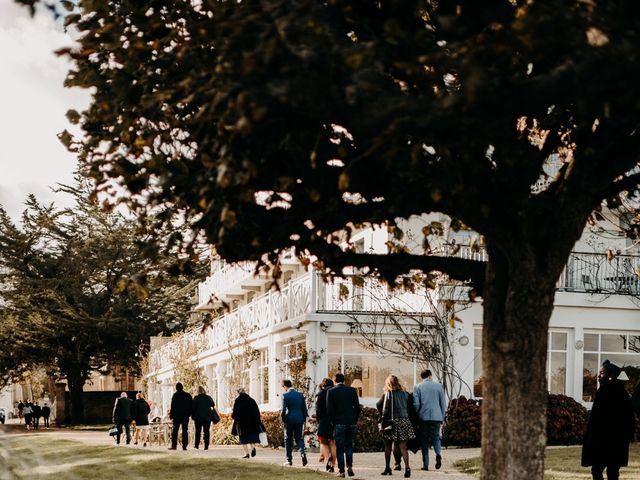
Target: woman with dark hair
x,y
610,427
325,427
395,423
246,423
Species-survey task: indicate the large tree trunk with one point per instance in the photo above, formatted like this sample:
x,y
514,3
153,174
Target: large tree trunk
x,y
76,385
518,301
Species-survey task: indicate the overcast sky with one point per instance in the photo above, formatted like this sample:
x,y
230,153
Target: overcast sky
x,y
33,103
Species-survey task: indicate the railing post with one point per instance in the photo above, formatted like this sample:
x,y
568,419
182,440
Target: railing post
x,y
313,293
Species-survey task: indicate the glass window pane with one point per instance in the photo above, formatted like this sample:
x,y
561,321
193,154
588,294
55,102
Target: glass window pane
x,y
590,376
613,343
558,341
622,360
557,373
335,345
334,365
265,385
353,346
477,338
634,343
377,369
477,374
591,342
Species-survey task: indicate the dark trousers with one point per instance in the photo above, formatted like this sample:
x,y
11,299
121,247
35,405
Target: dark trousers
x,y
177,423
127,428
344,436
46,422
429,436
613,472
293,431
206,428
36,422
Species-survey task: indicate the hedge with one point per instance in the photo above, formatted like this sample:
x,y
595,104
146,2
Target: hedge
x,y
566,422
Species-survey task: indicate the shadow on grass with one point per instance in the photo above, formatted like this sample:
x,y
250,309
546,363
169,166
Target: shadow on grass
x,y
48,458
563,463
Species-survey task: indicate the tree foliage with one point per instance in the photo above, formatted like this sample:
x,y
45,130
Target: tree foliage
x,y
77,293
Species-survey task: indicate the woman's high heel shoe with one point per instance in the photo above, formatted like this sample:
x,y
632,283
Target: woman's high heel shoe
x,y
387,471
407,473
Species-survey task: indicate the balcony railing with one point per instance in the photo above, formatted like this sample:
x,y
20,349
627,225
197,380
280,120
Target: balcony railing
x,y
599,273
224,277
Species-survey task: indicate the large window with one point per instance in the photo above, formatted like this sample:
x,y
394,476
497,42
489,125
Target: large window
x,y
622,348
365,369
556,362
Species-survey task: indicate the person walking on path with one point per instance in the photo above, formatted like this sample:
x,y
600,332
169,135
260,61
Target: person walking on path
x,y
20,411
396,424
203,406
246,422
37,413
46,413
179,413
343,409
610,427
431,407
325,427
122,416
140,413
294,416
28,414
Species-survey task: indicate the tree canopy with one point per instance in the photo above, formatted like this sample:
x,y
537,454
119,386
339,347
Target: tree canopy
x,y
273,124
78,295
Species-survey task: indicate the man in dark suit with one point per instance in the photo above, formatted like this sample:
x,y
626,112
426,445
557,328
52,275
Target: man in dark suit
x,y
122,416
294,416
343,408
181,408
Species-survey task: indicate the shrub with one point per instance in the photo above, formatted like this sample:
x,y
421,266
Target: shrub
x,y
368,438
221,434
463,425
272,421
566,420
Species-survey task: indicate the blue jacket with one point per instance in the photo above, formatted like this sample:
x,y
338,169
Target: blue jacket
x,y
294,407
429,401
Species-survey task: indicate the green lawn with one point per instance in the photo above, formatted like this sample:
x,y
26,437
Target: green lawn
x,y
31,457
564,464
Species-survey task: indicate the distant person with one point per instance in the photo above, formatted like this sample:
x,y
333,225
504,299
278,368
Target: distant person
x,y
203,406
246,422
294,416
140,413
325,427
431,407
122,416
181,407
28,414
20,411
46,413
37,413
396,424
610,428
343,409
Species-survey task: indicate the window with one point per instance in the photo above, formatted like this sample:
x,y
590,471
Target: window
x,y
295,362
556,362
623,349
263,372
365,369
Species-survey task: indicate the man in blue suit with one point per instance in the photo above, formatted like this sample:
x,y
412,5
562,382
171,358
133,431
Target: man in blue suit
x,y
294,416
431,407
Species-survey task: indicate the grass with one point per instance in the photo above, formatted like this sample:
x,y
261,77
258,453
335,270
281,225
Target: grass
x,y
81,426
48,458
564,464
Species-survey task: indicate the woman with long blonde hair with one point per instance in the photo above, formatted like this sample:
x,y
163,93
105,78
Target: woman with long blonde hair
x,y
395,424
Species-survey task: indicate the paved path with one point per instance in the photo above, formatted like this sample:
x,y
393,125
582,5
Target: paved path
x,y
367,466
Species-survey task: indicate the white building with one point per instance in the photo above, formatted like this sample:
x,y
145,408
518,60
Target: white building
x,y
265,332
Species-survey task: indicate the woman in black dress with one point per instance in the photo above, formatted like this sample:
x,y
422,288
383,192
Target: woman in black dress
x,y
325,427
246,423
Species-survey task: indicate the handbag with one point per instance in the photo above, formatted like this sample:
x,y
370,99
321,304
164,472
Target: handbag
x,y
386,424
264,440
215,417
113,431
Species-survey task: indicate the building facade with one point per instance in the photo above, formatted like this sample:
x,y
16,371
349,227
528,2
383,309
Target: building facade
x,y
311,329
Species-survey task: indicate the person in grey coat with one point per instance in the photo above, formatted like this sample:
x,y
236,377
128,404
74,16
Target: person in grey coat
x,y
122,416
431,407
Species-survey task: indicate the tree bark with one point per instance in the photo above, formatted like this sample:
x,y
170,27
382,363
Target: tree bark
x,y
518,301
76,391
